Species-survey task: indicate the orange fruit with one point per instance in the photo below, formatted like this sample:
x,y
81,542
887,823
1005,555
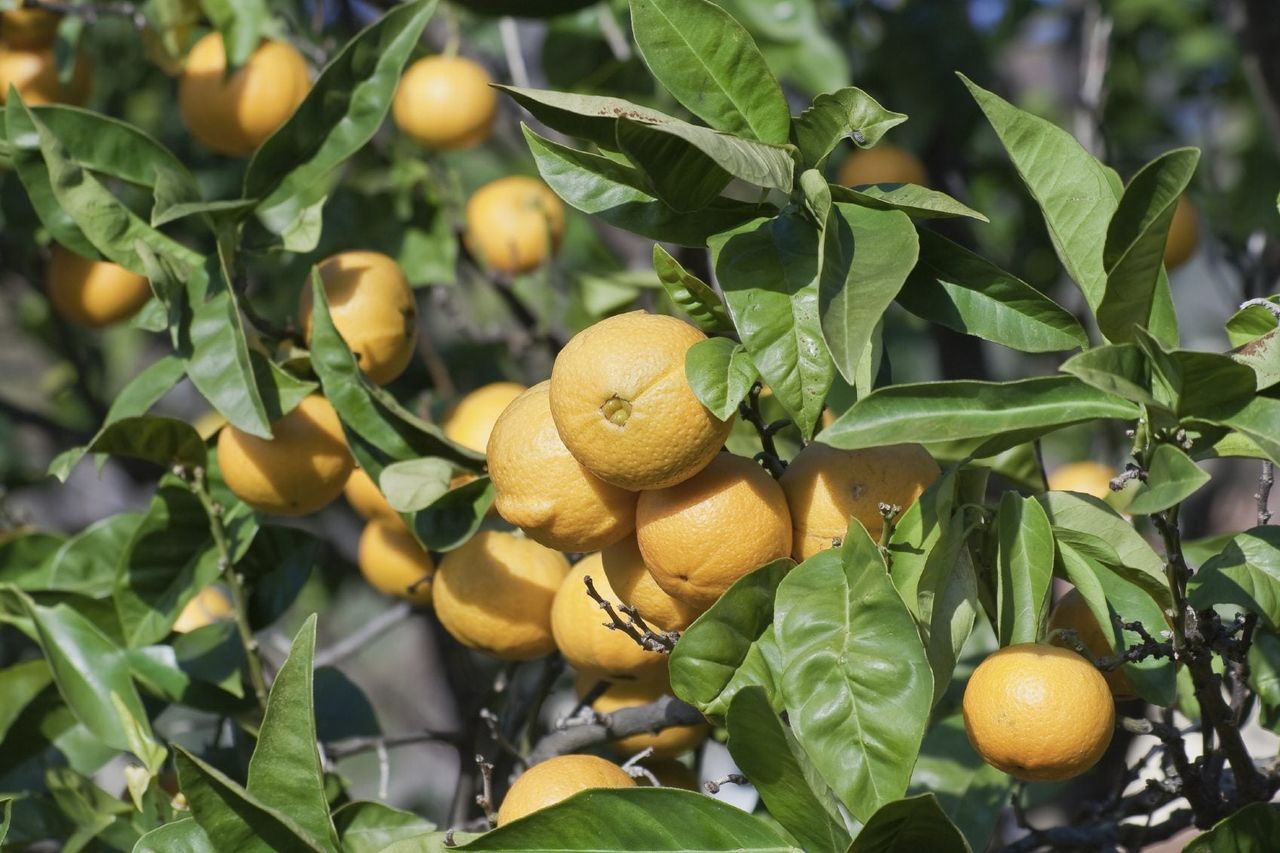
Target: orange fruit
x,y
1072,613
514,224
93,293
234,115
667,743
367,499
701,535
470,423
29,29
884,164
670,774
1040,713
1184,235
825,487
445,102
372,307
210,605
1090,478
634,584
494,593
543,490
558,779
595,651
34,73
296,472
624,408
393,562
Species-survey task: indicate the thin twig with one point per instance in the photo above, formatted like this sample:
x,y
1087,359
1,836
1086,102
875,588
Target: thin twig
x,y
357,745
484,799
634,625
510,33
749,411
1266,479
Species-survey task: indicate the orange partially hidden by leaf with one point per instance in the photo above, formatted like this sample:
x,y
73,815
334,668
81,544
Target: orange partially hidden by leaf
x,y
93,293
393,562
558,779
886,163
34,73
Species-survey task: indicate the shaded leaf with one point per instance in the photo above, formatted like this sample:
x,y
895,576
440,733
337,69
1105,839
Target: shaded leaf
x,y
1246,574
908,826
720,373
691,294
1025,560
19,684
916,201
972,793
164,441
1253,829
1119,369
415,484
370,827
1171,478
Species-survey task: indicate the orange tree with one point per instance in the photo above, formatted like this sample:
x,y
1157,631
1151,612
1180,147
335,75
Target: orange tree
x,y
856,592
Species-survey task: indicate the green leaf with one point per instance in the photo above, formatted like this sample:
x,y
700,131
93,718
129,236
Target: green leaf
x,y
916,201
641,820
1256,420
656,148
731,646
285,772
231,817
972,793
415,484
848,113
1134,251
590,117
908,826
1249,324
343,110
720,373
1025,561
965,292
1253,829
1171,478
681,175
5,817
1264,675
768,270
370,827
691,294
455,516
787,782
1119,369
854,676
241,23
164,441
181,836
1192,383
866,256
19,684
616,193
1013,412
160,671
1262,355
1246,574
710,63
84,564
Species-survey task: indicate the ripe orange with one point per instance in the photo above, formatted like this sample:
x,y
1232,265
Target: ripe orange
x,y
1040,713
393,562
298,471
445,102
93,293
667,743
595,651
234,115
470,423
367,499
29,29
826,486
543,490
1184,235
1072,613
634,584
210,605
514,224
884,164
494,593
34,73
701,535
1090,478
558,779
624,408
372,307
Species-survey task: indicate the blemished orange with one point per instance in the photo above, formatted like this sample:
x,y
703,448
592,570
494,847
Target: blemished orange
x,y
1090,478
701,535
825,487
29,29
514,224
557,779
884,164
634,584
296,472
34,73
234,115
623,406
1072,613
667,743
543,490
494,593
393,562
210,605
470,423
445,102
592,649
1184,235
367,499
93,293
1039,713
372,307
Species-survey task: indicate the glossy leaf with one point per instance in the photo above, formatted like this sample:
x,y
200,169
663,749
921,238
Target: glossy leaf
x,y
854,676
965,292
788,784
19,684
370,827
915,201
164,441
759,164
1246,574
1253,829
691,294
972,793
84,563
1025,560
1119,369
720,373
848,113
909,826
590,117
181,836
415,484
710,63
1171,478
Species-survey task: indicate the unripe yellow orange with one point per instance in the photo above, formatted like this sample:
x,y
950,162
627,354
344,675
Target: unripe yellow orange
x,y
34,73
700,536
634,584
29,29
393,562
470,423
494,593
884,164
210,605
93,293
558,779
299,470
825,487
623,406
1040,713
1072,613
372,307
514,224
1184,235
1090,478
234,115
445,102
367,499
666,743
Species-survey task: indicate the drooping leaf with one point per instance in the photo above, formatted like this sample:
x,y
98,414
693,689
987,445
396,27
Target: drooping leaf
x,y
1171,478
848,113
720,373
1025,559
691,294
370,827
590,117
1246,574
682,175
759,164
915,201
455,516
972,793
1119,369
164,441
1192,383
908,826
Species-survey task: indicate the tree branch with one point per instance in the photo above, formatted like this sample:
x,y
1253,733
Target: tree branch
x,y
664,712
634,625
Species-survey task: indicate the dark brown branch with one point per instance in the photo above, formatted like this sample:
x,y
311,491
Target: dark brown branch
x,y
664,712
749,411
634,625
